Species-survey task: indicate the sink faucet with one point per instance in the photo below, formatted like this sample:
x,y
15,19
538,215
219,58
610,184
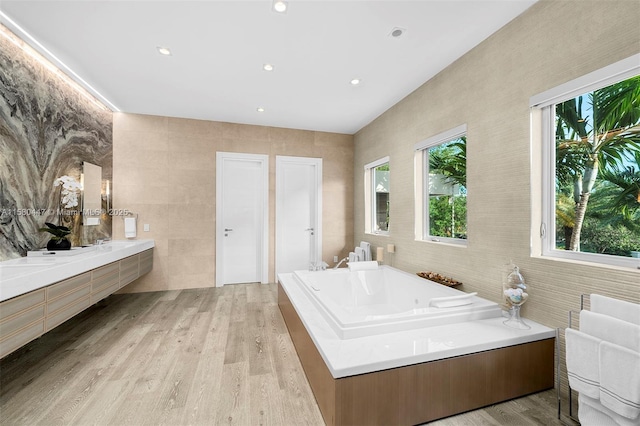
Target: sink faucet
x,y
340,263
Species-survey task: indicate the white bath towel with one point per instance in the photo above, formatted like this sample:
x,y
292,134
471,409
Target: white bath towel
x,y
591,412
611,329
130,227
353,257
620,309
363,266
367,250
620,379
583,362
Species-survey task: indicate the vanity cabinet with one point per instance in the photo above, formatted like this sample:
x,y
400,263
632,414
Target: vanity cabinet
x,y
67,298
28,316
21,320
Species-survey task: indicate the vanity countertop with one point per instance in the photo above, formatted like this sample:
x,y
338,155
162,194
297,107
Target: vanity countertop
x,y
25,274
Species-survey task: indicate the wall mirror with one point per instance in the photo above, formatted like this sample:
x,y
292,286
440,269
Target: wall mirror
x,y
92,194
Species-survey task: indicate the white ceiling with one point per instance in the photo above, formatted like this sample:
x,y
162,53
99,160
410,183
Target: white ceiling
x,y
219,47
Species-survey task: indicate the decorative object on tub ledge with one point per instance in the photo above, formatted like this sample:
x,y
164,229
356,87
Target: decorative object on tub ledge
x,y
515,294
440,279
59,239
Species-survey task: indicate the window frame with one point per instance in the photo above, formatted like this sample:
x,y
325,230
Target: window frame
x,y
370,198
421,181
543,116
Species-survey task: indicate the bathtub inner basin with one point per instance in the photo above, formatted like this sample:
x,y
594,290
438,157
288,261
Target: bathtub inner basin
x,y
385,300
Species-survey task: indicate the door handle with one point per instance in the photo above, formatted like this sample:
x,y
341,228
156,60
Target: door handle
x,y
227,229
310,229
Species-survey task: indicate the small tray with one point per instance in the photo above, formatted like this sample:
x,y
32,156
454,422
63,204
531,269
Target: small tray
x,y
440,279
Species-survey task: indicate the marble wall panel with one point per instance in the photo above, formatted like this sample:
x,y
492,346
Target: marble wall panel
x,y
47,129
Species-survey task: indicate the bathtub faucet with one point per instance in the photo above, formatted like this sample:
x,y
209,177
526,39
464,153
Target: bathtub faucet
x,y
340,263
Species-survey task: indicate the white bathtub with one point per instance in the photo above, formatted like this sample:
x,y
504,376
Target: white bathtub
x,y
385,300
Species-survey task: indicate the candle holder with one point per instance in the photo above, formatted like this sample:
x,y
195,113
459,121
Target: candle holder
x,y
515,294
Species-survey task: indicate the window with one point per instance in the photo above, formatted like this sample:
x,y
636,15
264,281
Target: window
x,y
376,178
591,134
442,180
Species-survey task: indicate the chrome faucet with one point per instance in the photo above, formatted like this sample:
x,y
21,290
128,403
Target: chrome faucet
x,y
340,263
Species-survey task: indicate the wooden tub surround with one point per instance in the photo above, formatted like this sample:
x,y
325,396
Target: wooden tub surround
x,y
424,391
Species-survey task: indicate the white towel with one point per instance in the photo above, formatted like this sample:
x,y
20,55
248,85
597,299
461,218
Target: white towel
x,y
612,330
363,266
620,379
583,362
591,412
367,250
353,257
130,227
620,309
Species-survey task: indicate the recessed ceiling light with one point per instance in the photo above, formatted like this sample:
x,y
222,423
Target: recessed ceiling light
x,y
164,51
267,67
280,6
260,109
397,32
355,81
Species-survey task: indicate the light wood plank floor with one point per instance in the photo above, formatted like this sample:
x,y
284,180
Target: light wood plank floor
x,y
192,357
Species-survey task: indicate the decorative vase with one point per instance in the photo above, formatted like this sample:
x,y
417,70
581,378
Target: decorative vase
x,y
59,244
515,294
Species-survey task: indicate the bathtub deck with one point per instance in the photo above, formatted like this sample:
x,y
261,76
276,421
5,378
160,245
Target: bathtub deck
x,y
440,386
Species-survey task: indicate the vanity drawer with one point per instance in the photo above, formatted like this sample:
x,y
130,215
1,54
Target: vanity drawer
x,y
22,338
57,318
105,276
146,261
58,289
17,304
129,269
104,292
21,320
68,299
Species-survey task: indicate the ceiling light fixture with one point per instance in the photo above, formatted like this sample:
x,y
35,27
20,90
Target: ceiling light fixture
x,y
355,81
164,51
397,32
280,6
260,109
267,67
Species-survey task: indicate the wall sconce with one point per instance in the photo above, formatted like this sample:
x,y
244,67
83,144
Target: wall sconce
x,y
107,195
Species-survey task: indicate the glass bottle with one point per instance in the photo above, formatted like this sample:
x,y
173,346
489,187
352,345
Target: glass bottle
x,y
515,294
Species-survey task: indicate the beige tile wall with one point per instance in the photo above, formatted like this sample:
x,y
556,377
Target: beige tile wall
x,y
164,170
489,90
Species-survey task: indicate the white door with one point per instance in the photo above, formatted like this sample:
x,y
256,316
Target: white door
x,y
242,186
298,213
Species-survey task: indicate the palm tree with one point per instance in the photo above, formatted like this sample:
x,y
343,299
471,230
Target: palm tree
x,y
620,195
596,131
450,160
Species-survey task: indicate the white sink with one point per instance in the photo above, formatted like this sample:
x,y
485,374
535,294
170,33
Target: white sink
x,y
58,253
17,269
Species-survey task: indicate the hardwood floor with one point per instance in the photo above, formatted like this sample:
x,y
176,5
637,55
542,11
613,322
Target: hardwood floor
x,y
192,357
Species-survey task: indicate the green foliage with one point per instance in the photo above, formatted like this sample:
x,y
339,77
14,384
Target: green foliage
x,y
615,240
450,160
597,155
440,216
58,232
